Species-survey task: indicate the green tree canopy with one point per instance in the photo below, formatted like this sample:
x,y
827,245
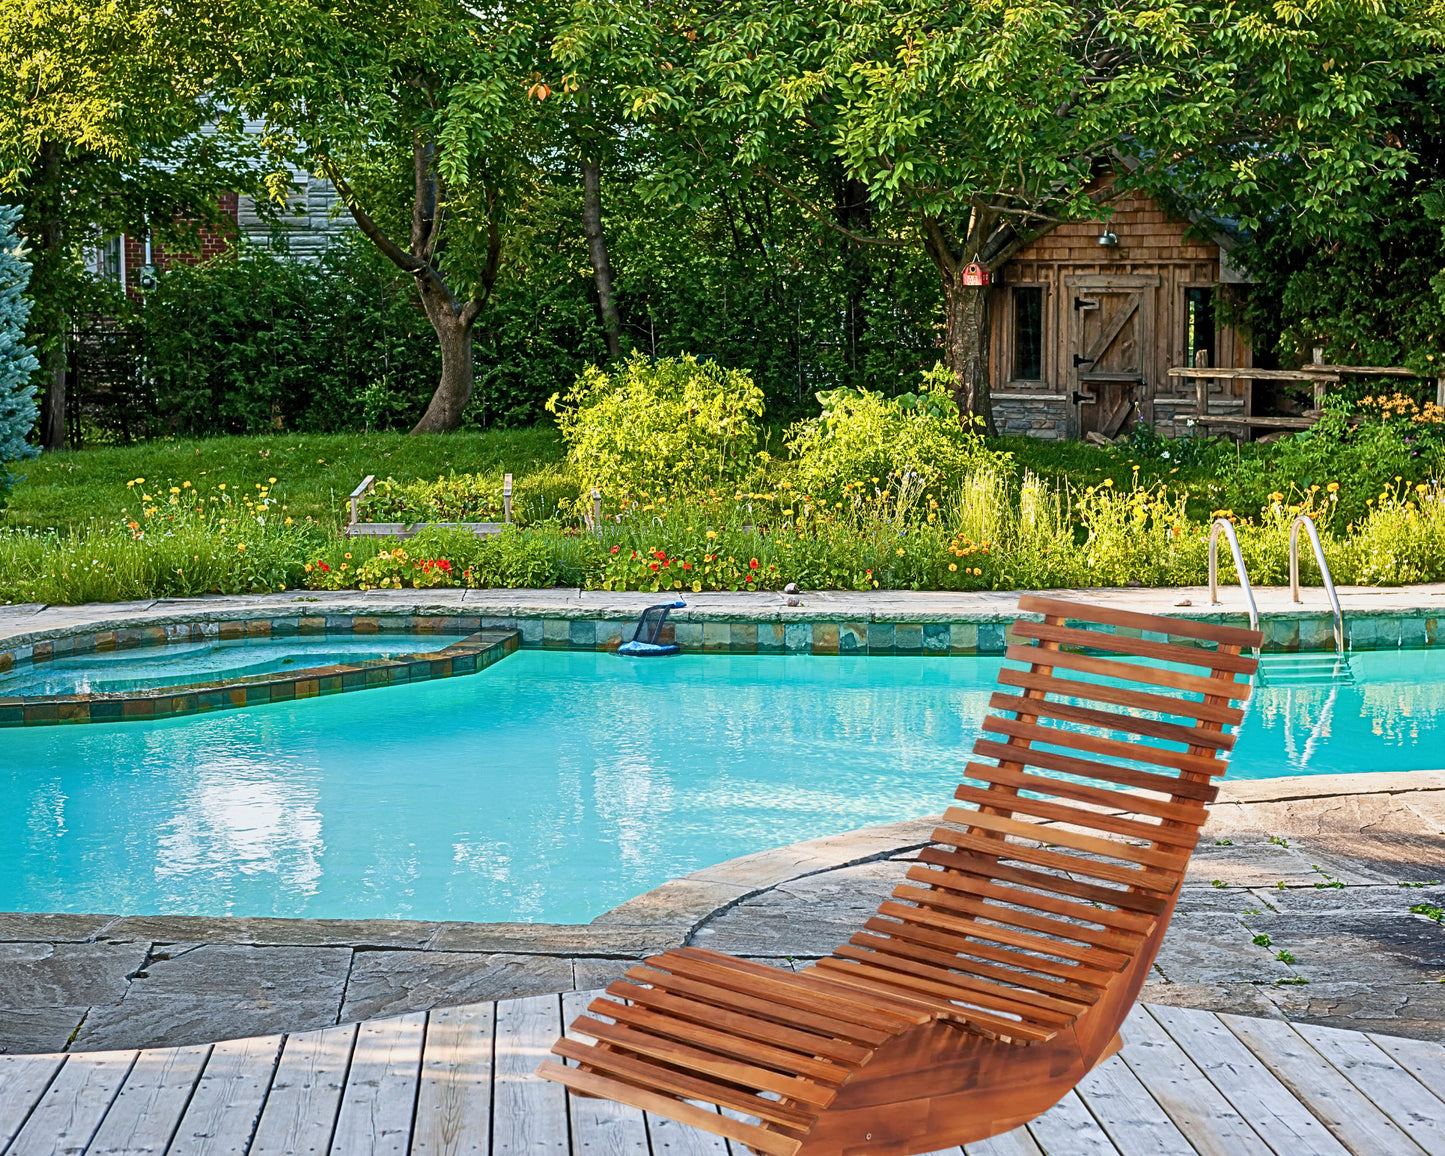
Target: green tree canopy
x,y
102,115
976,127
431,120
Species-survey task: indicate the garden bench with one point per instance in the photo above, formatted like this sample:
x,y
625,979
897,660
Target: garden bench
x,y
1000,973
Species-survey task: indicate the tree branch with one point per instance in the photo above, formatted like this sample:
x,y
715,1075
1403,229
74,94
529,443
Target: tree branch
x,y
825,218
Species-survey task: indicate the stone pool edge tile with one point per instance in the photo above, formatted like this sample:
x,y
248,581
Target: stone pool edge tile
x,y
461,658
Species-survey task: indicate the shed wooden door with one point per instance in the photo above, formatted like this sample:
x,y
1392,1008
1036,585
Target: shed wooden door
x,y
1111,346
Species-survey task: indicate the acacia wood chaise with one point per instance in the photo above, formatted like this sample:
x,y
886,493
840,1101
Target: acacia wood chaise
x,y
1000,973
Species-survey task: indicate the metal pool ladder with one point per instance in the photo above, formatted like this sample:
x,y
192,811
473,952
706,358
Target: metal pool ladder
x,y
1226,527
1308,523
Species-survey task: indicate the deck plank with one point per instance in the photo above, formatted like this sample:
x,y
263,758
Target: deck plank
x,y
1068,1129
1418,1111
1015,1143
23,1080
73,1106
1196,1106
381,1088
299,1115
222,1114
1421,1058
600,1127
152,1100
1286,1125
1128,1114
454,1102
529,1114
669,1138
1356,1123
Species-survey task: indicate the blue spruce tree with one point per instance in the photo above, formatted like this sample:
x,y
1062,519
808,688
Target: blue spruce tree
x,y
17,360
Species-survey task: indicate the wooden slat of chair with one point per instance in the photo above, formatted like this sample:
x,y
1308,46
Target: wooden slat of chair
x,y
1158,882
634,1069
948,947
708,993
1056,812
1129,672
782,992
957,907
709,1063
1098,745
721,1042
1137,647
983,946
746,1026
986,868
900,1005
964,899
1110,800
938,996
1109,720
591,1084
1135,620
1167,785
983,888
880,951
1167,860
1002,938
1121,696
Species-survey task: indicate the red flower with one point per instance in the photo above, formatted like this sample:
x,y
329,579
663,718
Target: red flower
x,y
616,548
753,565
749,578
322,566
665,565
687,565
634,555
652,566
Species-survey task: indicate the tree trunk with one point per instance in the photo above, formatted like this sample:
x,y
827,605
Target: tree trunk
x,y
597,250
965,342
454,333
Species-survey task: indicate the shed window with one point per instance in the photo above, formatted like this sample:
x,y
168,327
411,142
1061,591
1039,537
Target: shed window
x,y
1199,328
1028,310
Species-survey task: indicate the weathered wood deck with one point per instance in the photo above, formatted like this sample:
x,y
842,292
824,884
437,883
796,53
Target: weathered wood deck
x,y
459,1080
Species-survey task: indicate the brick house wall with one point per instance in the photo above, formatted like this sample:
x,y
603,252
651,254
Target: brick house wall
x,y
214,242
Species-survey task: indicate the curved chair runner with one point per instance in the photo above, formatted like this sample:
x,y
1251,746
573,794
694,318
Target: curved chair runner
x,y
1000,973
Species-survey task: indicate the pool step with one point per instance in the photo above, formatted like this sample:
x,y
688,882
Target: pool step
x,y
1304,670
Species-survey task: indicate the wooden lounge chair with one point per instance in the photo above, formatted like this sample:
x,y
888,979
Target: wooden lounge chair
x,y
1000,973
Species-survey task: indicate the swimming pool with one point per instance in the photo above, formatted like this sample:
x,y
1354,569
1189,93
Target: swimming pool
x,y
209,660
556,784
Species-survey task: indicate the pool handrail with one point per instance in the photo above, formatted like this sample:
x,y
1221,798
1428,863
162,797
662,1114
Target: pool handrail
x,y
1226,527
1309,524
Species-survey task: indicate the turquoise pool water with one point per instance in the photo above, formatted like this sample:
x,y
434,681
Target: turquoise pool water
x,y
211,660
555,785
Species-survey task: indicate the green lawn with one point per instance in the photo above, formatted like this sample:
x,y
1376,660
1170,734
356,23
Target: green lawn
x,y
314,472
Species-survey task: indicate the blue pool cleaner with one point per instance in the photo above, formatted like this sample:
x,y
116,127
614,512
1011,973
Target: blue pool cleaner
x,y
644,642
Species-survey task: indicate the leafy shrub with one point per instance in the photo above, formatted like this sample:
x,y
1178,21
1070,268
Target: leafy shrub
x,y
656,425
468,498
862,438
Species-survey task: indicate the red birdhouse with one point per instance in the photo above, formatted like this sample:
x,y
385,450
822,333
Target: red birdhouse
x,y
975,274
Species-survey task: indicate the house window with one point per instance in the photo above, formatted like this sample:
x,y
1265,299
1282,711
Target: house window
x,y
1028,310
1199,328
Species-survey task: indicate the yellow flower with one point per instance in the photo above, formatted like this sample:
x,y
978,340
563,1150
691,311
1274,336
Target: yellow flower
x,y
1108,481
271,480
241,546
175,489
952,566
222,486
900,551
185,485
1276,497
712,533
1333,487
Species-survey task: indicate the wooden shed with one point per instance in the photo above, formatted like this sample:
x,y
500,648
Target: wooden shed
x,y
1088,319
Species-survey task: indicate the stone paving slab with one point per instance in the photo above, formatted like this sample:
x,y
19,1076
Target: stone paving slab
x,y
1359,958
27,624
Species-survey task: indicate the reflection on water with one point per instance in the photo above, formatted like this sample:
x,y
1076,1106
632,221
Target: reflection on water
x,y
555,785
